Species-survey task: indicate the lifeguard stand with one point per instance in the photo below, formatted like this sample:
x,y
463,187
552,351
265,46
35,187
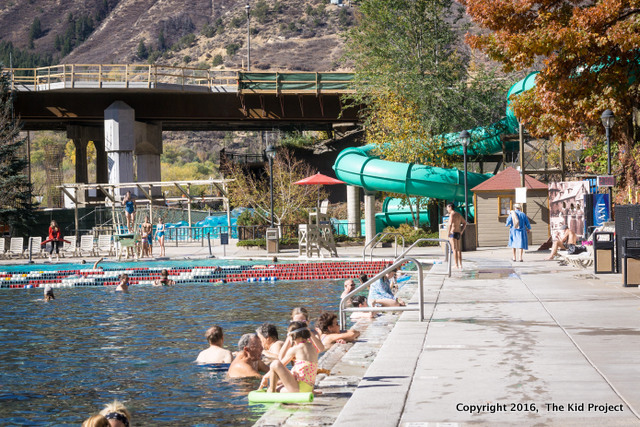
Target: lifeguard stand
x,y
317,234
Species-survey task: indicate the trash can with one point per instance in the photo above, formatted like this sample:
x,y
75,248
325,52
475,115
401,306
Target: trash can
x,y
469,238
603,248
273,243
442,234
631,261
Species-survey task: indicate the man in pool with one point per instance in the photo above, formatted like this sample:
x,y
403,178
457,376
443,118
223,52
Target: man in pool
x,y
271,345
215,353
248,362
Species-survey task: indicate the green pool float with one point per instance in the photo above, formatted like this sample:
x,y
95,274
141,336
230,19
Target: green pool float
x,y
261,396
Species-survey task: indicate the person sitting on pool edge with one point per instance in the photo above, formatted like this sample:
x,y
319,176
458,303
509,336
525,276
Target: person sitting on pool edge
x,y
302,376
360,301
164,279
117,414
248,362
271,345
215,353
380,293
328,325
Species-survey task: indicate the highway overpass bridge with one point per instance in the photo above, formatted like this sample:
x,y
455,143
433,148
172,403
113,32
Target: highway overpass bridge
x,y
123,109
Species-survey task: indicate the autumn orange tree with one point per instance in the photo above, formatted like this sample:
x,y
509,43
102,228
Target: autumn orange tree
x,y
588,53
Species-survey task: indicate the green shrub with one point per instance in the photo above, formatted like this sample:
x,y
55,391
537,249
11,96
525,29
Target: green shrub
x,y
217,60
411,235
238,21
232,48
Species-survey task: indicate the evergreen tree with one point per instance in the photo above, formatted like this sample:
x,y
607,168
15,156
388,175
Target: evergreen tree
x,y
143,52
16,207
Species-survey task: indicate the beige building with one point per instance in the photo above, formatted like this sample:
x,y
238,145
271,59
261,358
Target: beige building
x,y
494,198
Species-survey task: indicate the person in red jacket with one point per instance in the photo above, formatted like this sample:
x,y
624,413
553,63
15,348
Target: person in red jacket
x,y
55,236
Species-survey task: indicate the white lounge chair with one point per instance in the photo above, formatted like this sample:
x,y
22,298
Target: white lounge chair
x,y
104,245
37,250
16,247
86,245
3,251
70,248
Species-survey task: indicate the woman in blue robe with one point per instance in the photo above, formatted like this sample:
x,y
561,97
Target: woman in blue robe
x,y
519,224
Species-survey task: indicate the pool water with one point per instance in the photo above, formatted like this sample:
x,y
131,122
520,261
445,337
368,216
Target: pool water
x,y
63,360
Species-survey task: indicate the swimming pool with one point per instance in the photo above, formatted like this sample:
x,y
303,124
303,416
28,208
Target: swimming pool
x,y
63,360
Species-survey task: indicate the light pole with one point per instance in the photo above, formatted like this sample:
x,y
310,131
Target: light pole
x,y
271,153
465,138
248,9
607,121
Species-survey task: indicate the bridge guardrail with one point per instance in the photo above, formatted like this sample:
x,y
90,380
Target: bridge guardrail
x,y
84,76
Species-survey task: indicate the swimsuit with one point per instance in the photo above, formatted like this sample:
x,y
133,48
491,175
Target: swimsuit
x,y
305,373
128,206
381,290
160,231
455,235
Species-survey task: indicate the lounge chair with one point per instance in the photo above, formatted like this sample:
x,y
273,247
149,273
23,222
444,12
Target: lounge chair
x,y
3,251
104,245
86,245
37,250
70,248
16,247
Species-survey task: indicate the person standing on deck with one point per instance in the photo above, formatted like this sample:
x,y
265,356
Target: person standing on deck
x,y
455,227
519,223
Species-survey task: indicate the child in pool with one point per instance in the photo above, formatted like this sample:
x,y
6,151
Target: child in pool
x,y
300,314
164,279
360,301
302,376
124,283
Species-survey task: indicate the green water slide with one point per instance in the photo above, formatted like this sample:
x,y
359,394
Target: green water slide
x,y
358,166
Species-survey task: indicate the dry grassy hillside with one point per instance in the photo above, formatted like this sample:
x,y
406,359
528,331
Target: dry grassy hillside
x,y
285,34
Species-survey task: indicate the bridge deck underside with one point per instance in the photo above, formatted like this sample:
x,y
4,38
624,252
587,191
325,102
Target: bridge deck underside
x,y
178,110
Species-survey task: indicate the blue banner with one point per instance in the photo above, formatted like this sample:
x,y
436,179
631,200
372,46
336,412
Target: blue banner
x,y
600,209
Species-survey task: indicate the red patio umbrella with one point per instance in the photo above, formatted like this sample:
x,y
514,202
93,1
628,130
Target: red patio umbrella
x,y
319,179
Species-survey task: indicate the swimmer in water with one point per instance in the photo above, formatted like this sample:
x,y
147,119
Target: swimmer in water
x,y
164,279
124,283
215,353
48,292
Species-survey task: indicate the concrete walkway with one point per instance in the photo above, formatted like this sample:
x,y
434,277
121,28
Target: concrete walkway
x,y
530,343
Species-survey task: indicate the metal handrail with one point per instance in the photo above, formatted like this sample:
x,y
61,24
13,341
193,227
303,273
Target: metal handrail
x,y
429,239
380,236
343,309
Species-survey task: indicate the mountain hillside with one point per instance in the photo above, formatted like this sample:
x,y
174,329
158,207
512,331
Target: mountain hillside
x,y
285,34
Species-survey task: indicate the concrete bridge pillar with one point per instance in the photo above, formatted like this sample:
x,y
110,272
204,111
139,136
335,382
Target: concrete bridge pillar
x,y
81,136
353,210
148,148
370,214
119,134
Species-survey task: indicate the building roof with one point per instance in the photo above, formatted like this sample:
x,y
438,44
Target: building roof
x,y
509,179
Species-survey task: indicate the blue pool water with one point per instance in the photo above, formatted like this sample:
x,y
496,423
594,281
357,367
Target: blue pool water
x,y
62,361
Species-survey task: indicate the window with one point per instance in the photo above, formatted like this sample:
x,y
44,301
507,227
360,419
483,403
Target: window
x,y
505,204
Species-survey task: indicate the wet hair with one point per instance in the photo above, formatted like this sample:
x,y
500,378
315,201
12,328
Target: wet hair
x,y
274,259
298,330
300,310
363,278
214,334
245,340
124,276
96,421
164,273
358,300
325,320
268,330
117,411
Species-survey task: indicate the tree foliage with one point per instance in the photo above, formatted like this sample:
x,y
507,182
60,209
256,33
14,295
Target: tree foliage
x,y
16,207
590,54
290,200
417,81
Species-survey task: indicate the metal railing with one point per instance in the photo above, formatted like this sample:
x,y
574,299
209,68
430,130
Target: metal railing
x,y
377,239
420,308
429,239
86,76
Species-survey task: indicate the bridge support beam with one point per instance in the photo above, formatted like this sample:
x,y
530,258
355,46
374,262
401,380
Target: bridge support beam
x,y
148,148
353,210
370,215
119,134
81,136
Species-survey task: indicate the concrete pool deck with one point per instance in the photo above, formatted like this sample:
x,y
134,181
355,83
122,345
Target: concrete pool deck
x,y
532,343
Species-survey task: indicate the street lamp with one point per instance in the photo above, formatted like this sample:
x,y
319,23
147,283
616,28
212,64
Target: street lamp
x,y
248,9
465,138
607,121
271,154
